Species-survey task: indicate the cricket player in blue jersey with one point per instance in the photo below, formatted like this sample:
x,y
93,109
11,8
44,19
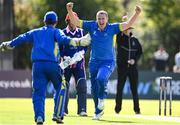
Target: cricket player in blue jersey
x,y
102,58
45,66
76,70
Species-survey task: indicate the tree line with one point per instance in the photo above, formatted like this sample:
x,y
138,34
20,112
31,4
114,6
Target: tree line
x,y
159,23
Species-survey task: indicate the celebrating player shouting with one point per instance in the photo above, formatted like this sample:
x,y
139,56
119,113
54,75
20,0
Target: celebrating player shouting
x,y
102,58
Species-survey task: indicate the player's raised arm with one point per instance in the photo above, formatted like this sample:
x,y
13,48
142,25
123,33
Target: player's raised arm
x,y
126,25
74,20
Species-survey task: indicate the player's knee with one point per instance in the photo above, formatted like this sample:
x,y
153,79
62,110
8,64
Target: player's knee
x,y
101,78
81,86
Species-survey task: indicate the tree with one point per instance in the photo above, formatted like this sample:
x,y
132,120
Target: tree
x,y
165,16
6,32
29,14
25,19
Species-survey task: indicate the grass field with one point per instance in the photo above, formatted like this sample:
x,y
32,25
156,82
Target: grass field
x,y
19,112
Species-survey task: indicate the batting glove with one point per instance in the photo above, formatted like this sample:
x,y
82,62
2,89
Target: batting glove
x,y
64,64
83,41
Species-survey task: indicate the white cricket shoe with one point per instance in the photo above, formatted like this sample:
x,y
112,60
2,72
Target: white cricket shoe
x,y
39,120
98,116
83,114
100,104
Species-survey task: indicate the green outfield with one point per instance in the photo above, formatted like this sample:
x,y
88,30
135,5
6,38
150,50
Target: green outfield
x,y
19,112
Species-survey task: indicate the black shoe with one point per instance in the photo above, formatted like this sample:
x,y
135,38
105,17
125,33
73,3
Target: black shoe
x,y
117,109
59,121
137,112
39,123
54,118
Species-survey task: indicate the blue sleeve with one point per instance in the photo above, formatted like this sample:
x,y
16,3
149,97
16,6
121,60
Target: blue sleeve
x,y
26,37
61,50
116,27
88,25
61,38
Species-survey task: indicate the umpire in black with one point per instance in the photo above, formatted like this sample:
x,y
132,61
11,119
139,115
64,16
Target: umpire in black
x,y
129,51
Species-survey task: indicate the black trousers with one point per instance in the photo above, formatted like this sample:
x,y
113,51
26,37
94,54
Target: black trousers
x,y
132,73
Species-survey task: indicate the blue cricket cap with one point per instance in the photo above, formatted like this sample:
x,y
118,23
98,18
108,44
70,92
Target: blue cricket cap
x,y
50,16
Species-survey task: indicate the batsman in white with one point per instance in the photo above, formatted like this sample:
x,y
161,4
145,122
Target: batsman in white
x,y
78,56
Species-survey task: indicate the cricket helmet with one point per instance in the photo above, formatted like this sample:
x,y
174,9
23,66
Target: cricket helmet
x,y
125,18
68,18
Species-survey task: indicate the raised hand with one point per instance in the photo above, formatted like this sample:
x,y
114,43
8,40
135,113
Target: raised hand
x,y
138,9
69,6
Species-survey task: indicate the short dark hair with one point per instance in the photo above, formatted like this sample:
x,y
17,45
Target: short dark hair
x,y
50,22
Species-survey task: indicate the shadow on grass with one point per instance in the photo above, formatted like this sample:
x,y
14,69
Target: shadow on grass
x,y
102,120
79,116
111,121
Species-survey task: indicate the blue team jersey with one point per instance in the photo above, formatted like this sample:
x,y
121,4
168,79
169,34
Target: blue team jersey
x,y
101,41
68,50
43,40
